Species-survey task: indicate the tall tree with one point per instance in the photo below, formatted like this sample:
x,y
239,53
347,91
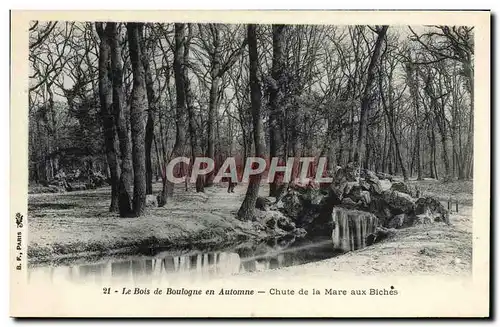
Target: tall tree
x,y
152,104
138,107
193,133
220,62
121,113
180,110
388,105
437,98
412,80
367,95
246,211
107,116
277,146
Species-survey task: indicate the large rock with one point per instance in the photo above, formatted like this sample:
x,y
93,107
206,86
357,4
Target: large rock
x,y
306,207
385,184
271,223
365,185
406,188
269,218
398,202
397,221
299,232
350,204
422,219
338,186
407,220
425,211
262,203
381,233
278,222
433,209
299,200
286,224
357,197
385,176
292,204
370,176
355,193
281,191
402,220
376,188
366,198
351,172
349,186
314,196
372,181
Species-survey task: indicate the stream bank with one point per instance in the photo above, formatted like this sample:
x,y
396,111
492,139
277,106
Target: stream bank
x,y
70,225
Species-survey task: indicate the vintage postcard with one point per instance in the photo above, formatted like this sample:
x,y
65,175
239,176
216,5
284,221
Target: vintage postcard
x,y
250,164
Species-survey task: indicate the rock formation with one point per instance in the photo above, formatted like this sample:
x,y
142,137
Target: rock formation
x,y
355,211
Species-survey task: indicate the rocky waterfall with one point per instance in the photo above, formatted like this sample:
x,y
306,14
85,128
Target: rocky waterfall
x,y
352,229
356,209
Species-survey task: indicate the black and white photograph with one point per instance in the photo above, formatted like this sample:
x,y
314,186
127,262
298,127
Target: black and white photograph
x,y
168,154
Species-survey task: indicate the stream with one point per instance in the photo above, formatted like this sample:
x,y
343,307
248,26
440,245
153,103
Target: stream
x,y
352,230
192,266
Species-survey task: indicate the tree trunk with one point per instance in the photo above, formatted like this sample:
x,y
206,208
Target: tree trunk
x,y
158,160
385,148
470,134
163,195
213,97
433,149
366,99
328,148
440,121
367,154
413,79
180,113
444,152
106,103
212,113
389,112
390,166
275,100
150,122
350,155
193,134
138,107
341,148
246,211
121,112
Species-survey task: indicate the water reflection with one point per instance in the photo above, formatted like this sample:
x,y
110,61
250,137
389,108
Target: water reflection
x,y
165,267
